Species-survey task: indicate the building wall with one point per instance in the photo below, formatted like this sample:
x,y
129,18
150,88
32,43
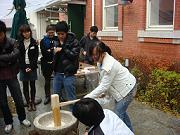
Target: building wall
x,y
131,19
88,16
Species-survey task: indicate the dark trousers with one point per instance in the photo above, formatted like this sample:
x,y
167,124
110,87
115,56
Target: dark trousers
x,y
15,91
47,86
32,91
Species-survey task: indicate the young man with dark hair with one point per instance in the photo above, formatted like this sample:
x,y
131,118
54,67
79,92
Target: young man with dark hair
x,y
8,78
66,61
47,45
100,121
87,42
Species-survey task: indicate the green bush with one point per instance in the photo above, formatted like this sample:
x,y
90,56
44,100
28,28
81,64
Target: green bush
x,y
141,83
163,90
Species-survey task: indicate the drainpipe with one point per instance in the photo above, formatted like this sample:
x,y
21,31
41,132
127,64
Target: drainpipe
x,y
92,12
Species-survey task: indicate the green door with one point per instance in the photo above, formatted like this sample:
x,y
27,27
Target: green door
x,y
76,19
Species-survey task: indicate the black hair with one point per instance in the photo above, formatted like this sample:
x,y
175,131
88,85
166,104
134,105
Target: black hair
x,y
88,111
2,27
24,28
62,26
108,50
101,47
94,29
50,27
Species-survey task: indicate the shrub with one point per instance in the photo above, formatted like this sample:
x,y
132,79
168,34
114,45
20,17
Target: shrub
x,y
148,64
163,90
141,81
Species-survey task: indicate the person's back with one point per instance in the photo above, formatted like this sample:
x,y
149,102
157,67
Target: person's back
x,y
113,125
100,122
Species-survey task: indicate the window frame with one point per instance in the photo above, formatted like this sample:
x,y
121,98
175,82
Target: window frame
x,y
104,18
157,27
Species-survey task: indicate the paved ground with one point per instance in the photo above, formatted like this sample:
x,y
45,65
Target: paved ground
x,y
150,121
146,120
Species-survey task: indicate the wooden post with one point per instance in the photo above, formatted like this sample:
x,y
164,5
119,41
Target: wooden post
x,y
68,102
56,110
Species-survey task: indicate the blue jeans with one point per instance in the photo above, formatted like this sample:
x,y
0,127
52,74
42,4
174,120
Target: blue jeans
x,y
68,83
121,107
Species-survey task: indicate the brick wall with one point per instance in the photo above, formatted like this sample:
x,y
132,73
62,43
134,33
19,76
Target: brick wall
x,y
177,15
88,16
131,19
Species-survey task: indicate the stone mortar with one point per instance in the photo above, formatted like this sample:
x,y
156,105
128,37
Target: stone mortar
x,y
70,126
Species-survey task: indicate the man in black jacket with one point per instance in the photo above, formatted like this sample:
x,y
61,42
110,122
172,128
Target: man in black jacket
x,y
8,78
87,42
66,61
47,49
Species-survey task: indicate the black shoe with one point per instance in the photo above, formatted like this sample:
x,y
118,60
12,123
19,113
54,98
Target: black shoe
x,y
47,100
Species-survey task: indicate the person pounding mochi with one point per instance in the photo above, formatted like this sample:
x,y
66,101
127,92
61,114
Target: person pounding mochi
x,y
116,80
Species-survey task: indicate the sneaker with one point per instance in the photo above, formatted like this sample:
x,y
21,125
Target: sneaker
x,y
8,128
26,123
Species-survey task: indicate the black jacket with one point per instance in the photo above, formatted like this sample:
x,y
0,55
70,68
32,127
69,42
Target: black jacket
x,y
67,60
8,59
47,56
8,53
33,53
86,44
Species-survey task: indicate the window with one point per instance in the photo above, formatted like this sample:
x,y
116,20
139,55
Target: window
x,y
54,21
110,14
160,14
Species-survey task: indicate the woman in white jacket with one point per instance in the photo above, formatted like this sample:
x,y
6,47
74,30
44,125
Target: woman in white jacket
x,y
115,80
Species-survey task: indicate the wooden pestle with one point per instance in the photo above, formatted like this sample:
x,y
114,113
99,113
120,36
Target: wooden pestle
x,y
68,102
56,110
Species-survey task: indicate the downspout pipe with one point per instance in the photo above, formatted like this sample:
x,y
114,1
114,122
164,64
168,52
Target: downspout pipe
x,y
93,12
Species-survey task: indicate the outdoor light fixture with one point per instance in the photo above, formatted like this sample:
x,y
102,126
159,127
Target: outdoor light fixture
x,y
125,2
126,63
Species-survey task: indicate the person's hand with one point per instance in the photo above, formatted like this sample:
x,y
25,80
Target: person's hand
x,y
57,49
49,50
86,133
84,53
50,62
37,42
28,70
102,95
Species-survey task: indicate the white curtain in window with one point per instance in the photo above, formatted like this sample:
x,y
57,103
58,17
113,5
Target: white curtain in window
x,y
161,12
112,16
111,13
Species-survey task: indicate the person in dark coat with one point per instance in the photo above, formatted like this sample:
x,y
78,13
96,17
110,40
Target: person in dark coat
x,y
8,78
87,42
28,64
47,45
66,61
